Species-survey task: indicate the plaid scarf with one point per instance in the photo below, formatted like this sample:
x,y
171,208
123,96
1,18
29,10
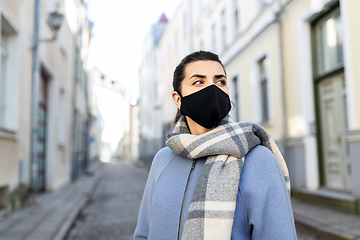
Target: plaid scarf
x,y
212,207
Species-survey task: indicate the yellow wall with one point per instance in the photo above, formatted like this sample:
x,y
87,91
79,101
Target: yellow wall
x,y
291,69
9,169
14,6
243,63
353,19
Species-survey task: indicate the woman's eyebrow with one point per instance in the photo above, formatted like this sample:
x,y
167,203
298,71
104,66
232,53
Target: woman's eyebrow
x,y
198,76
219,76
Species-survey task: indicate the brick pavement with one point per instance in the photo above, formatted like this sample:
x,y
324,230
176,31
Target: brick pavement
x,y
53,213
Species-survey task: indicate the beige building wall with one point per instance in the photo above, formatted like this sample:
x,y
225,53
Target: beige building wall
x,y
285,38
15,134
174,45
297,18
241,40
245,66
292,72
283,32
351,17
299,94
57,59
9,165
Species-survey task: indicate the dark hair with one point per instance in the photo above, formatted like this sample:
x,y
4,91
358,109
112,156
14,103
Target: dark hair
x,y
179,73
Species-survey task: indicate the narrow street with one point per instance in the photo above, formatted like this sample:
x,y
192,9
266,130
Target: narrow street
x,y
112,211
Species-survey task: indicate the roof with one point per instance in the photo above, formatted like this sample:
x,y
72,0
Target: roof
x,y
163,19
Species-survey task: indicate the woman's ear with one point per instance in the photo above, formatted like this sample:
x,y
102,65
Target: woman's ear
x,y
177,99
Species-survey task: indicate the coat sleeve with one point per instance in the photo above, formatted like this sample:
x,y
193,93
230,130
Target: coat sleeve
x,y
143,223
160,161
265,197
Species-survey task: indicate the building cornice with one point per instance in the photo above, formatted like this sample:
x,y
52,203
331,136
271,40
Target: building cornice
x,y
263,21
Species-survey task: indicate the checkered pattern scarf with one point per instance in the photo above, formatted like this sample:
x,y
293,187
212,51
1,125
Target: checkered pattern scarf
x,y
212,207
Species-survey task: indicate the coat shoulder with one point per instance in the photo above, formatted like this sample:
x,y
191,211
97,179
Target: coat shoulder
x,y
261,170
161,159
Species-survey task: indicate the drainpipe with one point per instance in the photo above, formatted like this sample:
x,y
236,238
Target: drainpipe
x,y
35,98
278,22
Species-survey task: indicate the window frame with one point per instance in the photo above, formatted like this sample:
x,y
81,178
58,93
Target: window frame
x,y
319,69
263,90
4,55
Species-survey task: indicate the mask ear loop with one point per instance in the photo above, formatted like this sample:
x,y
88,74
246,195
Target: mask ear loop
x,y
178,93
181,114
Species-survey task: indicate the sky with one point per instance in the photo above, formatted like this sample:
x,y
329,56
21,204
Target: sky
x,y
120,27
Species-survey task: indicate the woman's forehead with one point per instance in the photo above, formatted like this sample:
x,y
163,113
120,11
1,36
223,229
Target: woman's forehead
x,y
207,68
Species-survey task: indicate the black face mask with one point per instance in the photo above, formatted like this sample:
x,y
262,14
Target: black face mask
x,y
206,107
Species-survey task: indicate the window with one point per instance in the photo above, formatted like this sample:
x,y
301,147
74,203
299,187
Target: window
x,y
329,43
263,90
3,74
236,16
223,29
263,3
236,98
62,118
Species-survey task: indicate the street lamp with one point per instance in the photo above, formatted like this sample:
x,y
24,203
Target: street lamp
x,y
55,19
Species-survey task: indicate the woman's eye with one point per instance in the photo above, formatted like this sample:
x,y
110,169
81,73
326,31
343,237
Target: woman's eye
x,y
198,82
222,82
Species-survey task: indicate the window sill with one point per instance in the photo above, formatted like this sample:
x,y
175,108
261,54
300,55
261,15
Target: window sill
x,y
7,134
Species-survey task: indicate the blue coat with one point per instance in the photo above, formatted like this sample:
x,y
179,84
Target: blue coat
x,y
263,209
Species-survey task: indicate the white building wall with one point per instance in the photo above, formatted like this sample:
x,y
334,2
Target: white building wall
x,y
151,101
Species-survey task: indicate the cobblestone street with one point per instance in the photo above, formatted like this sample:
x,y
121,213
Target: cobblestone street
x,y
112,210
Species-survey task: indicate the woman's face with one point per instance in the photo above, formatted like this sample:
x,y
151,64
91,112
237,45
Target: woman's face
x,y
201,74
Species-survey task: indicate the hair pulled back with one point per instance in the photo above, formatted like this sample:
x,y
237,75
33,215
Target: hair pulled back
x,y
179,73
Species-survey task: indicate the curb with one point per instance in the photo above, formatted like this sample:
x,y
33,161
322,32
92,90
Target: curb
x,y
65,228
320,230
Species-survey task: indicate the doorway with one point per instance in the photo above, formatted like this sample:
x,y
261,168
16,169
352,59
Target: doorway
x,y
42,133
332,104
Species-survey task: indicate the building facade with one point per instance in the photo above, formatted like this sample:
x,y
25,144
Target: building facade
x,y
291,67
175,43
135,131
52,166
323,125
81,93
151,93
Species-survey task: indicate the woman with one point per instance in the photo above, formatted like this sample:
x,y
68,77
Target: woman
x,y
216,179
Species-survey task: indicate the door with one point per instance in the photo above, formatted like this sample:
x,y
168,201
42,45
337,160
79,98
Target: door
x,y
333,124
42,123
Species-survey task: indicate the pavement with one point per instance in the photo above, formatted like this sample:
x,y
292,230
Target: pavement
x,y
112,212
325,223
55,213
